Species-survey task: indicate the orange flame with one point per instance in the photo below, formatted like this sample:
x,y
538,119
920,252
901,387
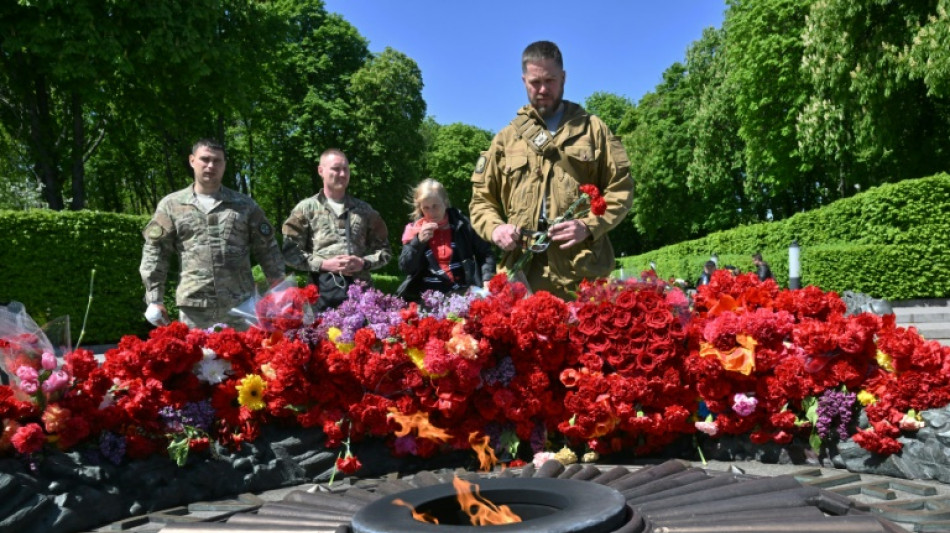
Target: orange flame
x,y
481,511
422,517
420,423
486,456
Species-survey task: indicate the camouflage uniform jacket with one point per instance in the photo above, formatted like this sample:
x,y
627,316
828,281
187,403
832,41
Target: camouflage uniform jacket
x,y
314,233
525,164
214,249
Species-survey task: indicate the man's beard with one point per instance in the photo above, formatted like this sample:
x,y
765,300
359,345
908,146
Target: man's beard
x,y
549,110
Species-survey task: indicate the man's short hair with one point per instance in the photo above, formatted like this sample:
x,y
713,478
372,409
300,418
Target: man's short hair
x,y
210,144
539,50
333,151
710,264
757,256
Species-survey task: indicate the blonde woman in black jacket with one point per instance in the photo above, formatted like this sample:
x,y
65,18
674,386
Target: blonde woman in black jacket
x,y
440,250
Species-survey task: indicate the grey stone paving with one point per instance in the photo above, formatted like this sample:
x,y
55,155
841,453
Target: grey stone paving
x,y
915,505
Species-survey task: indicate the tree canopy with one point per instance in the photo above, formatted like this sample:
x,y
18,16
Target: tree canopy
x,y
786,107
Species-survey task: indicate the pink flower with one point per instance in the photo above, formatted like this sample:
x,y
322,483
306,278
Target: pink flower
x,y
709,428
27,373
48,361
910,423
743,405
56,381
29,386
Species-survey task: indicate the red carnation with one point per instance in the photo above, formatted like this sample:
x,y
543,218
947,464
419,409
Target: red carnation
x,y
348,465
598,206
29,438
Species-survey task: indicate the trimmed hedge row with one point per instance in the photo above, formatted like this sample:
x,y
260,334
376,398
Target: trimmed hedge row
x,y
47,259
889,242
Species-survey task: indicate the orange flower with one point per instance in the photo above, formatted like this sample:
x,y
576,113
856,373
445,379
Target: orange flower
x,y
740,359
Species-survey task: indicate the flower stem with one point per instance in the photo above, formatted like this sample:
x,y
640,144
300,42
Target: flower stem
x,y
82,332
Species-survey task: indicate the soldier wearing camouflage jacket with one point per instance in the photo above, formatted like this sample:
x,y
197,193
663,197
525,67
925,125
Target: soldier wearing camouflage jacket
x,y
335,237
214,230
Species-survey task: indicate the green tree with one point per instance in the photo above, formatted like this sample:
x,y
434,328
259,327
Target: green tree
x,y
867,120
450,156
303,108
763,49
660,150
716,171
618,112
387,109
928,57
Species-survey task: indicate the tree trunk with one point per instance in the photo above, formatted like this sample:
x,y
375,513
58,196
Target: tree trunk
x,y
79,140
43,162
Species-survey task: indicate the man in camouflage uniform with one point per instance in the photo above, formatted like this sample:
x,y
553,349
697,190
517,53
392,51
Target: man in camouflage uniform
x,y
213,230
531,174
334,236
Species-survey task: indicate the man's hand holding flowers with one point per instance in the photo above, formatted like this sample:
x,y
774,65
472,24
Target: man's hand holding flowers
x,y
569,233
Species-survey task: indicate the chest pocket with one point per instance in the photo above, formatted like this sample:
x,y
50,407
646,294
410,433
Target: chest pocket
x,y
581,160
235,228
358,229
516,180
188,227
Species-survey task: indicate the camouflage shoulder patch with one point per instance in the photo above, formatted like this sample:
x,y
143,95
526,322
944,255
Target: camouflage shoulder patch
x,y
154,231
265,229
480,164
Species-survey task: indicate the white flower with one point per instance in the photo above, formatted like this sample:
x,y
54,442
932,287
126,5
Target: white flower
x,y
542,457
213,371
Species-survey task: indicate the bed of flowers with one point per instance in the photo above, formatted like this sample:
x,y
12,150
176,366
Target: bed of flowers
x,y
630,366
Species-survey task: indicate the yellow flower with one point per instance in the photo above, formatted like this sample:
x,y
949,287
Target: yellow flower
x,y
418,357
333,334
566,456
866,398
884,360
251,392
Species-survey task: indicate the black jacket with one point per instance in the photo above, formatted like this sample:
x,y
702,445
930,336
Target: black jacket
x,y
472,254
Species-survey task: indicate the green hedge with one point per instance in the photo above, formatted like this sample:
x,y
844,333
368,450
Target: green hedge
x,y
890,242
47,259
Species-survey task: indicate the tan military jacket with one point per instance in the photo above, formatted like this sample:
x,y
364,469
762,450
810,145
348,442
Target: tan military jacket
x,y
525,164
214,249
313,233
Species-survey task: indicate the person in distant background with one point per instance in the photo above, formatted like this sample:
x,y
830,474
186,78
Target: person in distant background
x,y
708,268
761,267
213,230
440,250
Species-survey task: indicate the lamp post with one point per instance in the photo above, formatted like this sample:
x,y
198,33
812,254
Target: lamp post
x,y
794,266
653,266
715,259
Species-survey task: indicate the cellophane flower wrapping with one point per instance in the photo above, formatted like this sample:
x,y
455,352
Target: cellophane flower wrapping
x,y
283,307
23,343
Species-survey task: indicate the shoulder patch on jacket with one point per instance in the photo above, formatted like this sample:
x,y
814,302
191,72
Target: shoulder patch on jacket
x,y
154,231
480,164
